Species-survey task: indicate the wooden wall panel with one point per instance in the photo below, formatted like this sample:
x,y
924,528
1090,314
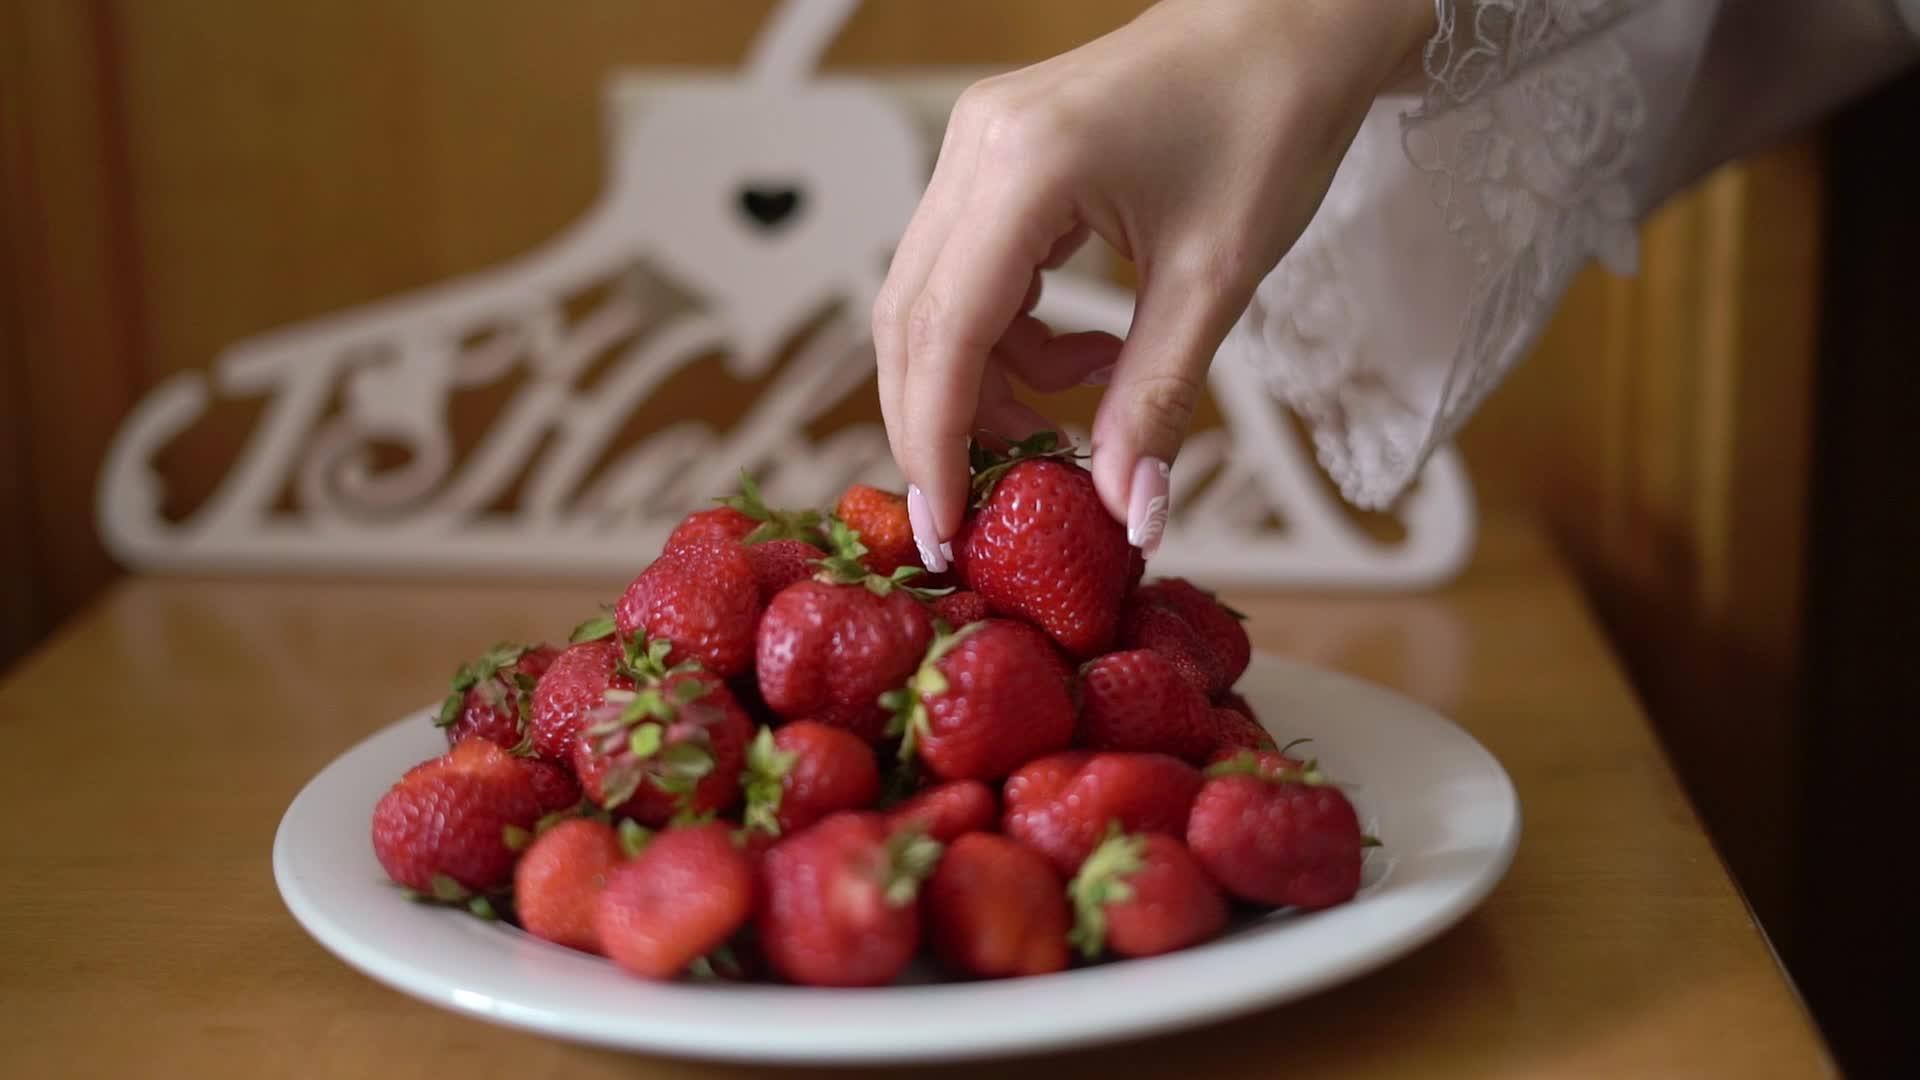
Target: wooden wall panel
x,y
69,351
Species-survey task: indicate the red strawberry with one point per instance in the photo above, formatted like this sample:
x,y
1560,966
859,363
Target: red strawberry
x,y
491,697
958,609
828,651
681,897
1062,805
667,750
838,901
861,722
1275,835
1136,701
880,517
1218,625
718,523
803,772
554,786
1235,731
1145,624
949,811
744,518
984,702
1143,894
1232,700
780,563
1042,546
574,684
557,884
995,909
703,597
451,826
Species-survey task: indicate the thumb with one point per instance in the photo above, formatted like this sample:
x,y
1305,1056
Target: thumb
x,y
1149,403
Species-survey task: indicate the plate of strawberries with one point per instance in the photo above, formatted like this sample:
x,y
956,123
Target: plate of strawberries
x,y
790,798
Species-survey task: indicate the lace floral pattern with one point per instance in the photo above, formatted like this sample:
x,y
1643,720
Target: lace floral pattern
x,y
1523,141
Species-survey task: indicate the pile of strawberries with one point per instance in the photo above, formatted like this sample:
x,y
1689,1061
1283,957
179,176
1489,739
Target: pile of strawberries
x,y
787,752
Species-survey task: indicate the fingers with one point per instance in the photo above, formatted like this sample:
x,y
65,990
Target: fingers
x,y
971,296
1003,419
913,260
1051,363
1149,404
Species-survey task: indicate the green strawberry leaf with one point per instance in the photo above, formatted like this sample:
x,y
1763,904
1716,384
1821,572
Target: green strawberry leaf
x,y
594,629
645,740
634,837
515,838
763,783
911,858
619,784
448,891
774,524
1102,880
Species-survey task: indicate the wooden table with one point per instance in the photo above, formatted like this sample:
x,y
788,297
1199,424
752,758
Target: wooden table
x,y
154,743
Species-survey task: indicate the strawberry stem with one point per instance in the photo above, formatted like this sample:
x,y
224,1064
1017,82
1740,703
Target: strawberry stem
x,y
989,466
774,524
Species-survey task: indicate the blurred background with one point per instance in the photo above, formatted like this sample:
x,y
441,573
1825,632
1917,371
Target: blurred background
x,y
1718,446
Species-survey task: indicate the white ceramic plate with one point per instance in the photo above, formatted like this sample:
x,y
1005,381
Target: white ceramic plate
x,y
1443,807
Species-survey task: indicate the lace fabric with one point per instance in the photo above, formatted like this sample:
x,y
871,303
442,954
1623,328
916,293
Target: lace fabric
x,y
1459,218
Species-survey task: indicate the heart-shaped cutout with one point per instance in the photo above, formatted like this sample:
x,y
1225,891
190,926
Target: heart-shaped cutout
x,y
770,207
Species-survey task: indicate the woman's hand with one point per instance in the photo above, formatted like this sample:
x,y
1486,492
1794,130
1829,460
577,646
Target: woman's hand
x,y
1197,141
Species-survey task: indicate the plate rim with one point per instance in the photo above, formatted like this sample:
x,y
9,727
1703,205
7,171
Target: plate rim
x,y
437,987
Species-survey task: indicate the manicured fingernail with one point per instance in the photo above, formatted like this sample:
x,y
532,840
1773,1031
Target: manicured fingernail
x,y
1098,376
946,550
1147,505
933,554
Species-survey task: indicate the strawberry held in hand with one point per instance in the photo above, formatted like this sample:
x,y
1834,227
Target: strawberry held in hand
x,y
673,749
996,909
1272,831
1143,894
1041,546
984,702
829,648
492,697
453,826
1062,805
802,773
839,901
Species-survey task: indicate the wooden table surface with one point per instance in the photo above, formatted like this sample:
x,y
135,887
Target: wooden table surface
x,y
157,739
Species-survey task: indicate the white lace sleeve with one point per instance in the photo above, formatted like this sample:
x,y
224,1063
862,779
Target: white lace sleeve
x,y
1457,220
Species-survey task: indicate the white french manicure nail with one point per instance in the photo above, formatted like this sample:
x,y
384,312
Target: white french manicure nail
x,y
933,554
1147,502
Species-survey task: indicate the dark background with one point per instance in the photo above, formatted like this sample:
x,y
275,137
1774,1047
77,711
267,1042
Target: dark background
x,y
1857,938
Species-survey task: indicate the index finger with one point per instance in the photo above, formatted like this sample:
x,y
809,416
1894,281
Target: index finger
x,y
970,298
